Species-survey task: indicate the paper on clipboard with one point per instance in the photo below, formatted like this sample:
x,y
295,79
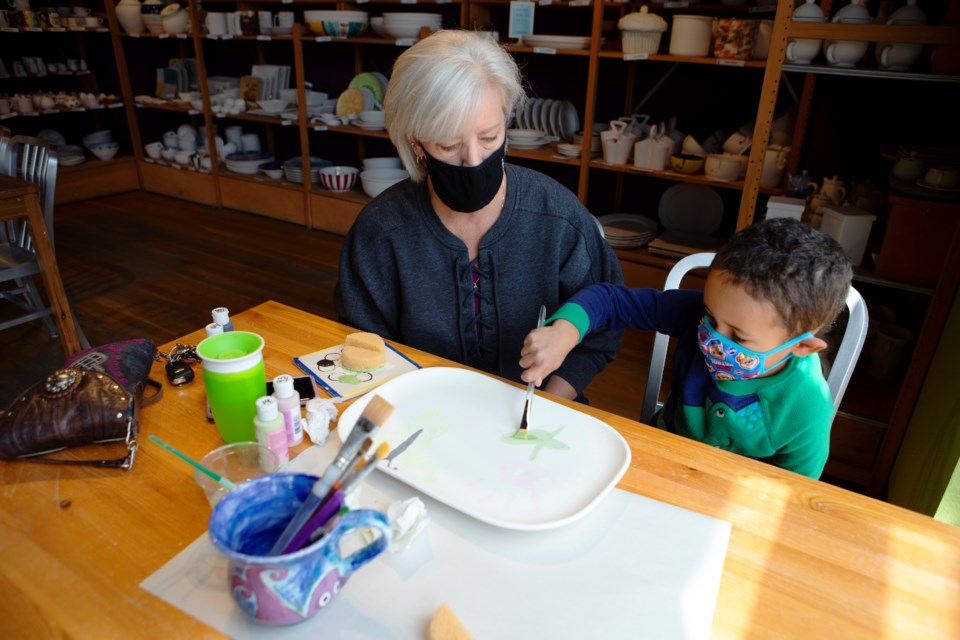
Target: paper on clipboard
x,y
324,366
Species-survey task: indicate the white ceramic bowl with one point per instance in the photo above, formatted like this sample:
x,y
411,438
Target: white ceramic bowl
x,y
336,24
183,156
105,150
374,181
338,178
153,149
97,137
376,23
372,117
381,163
273,106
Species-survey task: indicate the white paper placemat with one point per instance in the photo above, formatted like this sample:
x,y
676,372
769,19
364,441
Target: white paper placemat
x,y
633,567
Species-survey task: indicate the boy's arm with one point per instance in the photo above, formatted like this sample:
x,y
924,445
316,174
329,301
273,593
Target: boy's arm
x,y
544,350
604,305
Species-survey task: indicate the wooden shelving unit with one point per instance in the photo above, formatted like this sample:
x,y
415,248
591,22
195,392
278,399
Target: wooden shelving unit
x,y
866,441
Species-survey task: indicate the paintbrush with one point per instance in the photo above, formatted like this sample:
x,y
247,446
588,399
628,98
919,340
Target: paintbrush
x,y
196,465
361,471
377,412
525,418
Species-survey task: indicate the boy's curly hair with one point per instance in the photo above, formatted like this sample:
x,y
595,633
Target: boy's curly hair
x,y
802,272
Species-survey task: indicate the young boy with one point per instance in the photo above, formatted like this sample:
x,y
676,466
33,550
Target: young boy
x,y
746,376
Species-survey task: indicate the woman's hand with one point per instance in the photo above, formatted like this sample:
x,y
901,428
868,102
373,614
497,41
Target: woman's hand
x,y
545,349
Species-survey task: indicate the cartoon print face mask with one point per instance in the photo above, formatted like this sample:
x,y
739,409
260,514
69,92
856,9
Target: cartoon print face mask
x,y
727,360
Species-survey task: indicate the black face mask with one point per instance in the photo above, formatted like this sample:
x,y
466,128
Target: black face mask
x,y
467,189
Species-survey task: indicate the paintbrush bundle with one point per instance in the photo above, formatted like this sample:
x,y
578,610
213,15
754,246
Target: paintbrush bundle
x,y
351,452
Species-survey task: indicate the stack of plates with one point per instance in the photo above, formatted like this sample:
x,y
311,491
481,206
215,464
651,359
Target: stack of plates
x,y
627,230
293,169
556,118
248,163
69,155
525,139
407,25
594,141
558,42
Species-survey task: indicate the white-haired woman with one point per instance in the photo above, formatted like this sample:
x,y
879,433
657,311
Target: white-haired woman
x,y
458,259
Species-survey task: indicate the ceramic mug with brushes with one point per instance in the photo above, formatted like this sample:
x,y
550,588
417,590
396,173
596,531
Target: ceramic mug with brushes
x,y
292,587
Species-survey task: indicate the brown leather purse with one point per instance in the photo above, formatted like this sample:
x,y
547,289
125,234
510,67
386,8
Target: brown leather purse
x,y
82,404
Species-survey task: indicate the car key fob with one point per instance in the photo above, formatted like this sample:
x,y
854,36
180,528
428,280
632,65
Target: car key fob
x,y
179,373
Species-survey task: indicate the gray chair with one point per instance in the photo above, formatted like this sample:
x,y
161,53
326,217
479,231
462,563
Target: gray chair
x,y
840,372
35,161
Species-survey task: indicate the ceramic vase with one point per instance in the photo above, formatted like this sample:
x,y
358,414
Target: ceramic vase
x,y
128,15
174,19
150,12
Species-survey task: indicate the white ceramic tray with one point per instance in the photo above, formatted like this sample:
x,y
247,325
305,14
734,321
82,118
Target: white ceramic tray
x,y
469,458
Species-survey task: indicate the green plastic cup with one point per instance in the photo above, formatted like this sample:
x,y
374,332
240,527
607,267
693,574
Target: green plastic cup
x,y
234,375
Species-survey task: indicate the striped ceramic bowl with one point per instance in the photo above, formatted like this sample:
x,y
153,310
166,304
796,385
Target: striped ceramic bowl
x,y
339,178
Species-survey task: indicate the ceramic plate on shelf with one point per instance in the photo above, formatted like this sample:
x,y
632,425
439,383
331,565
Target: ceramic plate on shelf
x,y
469,458
922,183
693,208
527,145
557,42
569,121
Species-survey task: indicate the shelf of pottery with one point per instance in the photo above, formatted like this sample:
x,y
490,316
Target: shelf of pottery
x,y
891,200
56,86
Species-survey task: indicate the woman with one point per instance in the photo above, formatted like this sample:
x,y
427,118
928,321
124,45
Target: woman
x,y
458,259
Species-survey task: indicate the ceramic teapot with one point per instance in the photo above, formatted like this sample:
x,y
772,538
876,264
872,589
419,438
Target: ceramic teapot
x,y
834,189
909,167
801,186
174,19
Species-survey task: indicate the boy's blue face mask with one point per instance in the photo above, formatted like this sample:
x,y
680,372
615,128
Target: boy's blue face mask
x,y
728,360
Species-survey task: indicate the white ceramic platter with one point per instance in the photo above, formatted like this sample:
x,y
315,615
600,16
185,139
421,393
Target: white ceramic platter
x,y
693,208
469,458
554,117
527,145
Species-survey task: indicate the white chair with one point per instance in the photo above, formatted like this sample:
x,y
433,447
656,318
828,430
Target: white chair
x,y
840,372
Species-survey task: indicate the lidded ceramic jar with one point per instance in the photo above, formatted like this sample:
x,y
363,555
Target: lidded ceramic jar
x,y
128,15
853,13
804,50
641,31
898,56
174,19
150,12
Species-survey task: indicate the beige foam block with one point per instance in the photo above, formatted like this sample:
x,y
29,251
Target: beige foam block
x,y
445,625
362,352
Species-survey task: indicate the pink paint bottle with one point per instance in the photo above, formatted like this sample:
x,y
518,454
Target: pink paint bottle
x,y
288,400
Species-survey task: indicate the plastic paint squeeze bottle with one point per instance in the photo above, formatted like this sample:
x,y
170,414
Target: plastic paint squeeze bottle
x,y
288,401
212,329
221,315
271,431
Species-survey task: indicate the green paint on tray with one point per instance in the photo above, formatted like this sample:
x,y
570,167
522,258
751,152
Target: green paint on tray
x,y
538,438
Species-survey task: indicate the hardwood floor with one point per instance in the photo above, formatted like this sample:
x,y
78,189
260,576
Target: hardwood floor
x,y
143,265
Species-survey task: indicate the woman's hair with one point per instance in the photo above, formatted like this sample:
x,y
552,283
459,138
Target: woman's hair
x,y
803,273
438,83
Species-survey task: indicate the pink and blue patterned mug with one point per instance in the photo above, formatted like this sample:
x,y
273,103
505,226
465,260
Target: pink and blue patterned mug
x,y
292,587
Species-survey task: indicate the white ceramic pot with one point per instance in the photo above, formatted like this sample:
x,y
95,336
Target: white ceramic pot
x,y
897,56
174,19
844,53
691,36
802,50
723,167
774,160
150,13
128,15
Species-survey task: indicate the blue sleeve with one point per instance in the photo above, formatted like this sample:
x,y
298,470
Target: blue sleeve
x,y
621,307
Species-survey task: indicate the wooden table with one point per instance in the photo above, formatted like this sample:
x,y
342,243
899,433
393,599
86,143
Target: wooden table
x,y
19,199
805,559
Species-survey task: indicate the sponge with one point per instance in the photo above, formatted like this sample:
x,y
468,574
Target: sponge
x,y
445,625
363,352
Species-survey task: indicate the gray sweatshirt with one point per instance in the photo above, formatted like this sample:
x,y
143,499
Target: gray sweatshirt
x,y
404,276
